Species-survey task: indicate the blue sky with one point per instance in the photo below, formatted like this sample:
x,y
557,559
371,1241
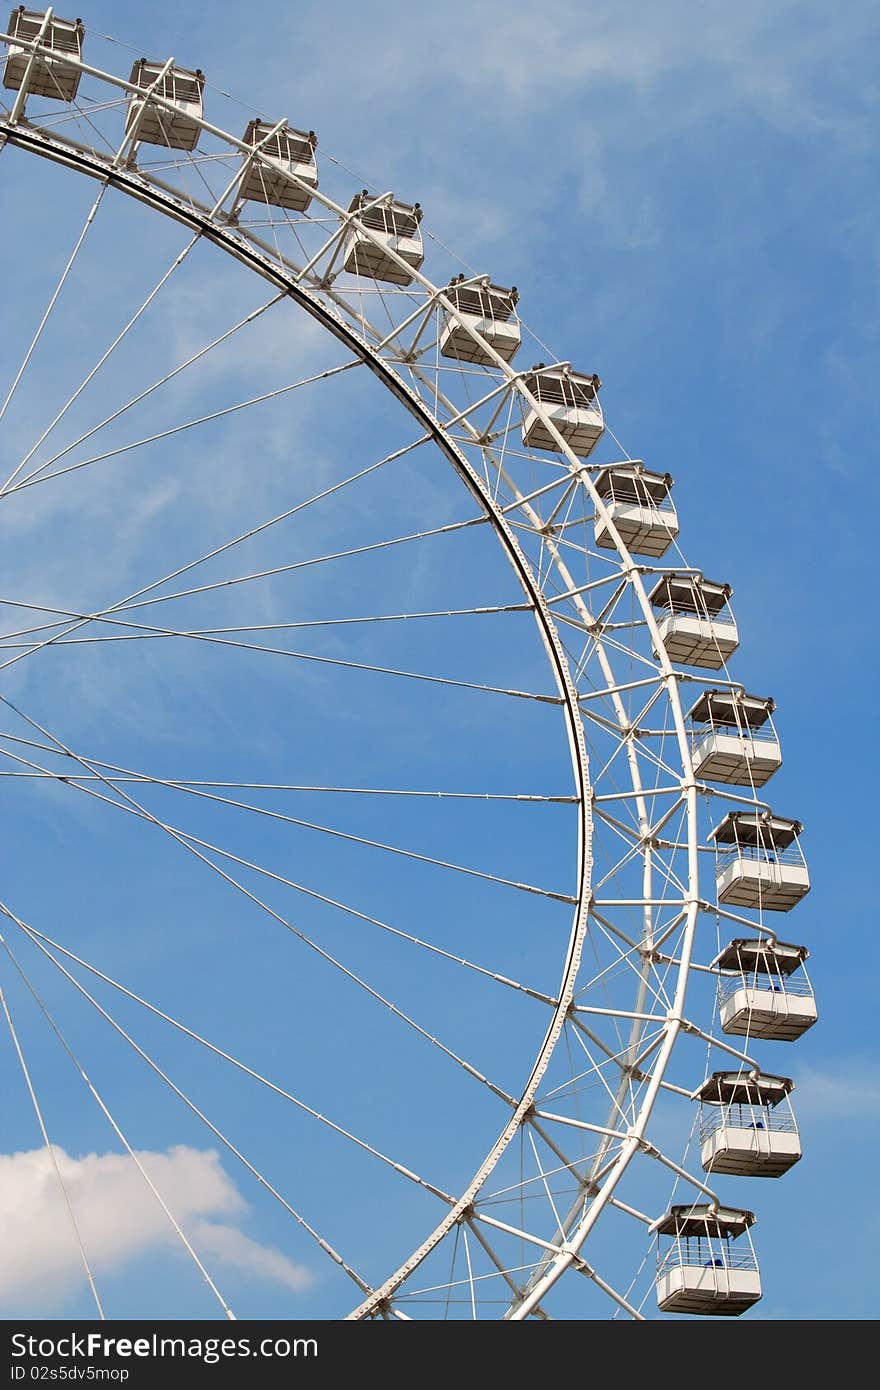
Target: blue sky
x,y
687,202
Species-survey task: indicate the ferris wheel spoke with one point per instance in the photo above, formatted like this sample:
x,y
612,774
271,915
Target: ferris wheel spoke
x,y
112,1122
178,261
343,664
196,847
8,639
567,502
615,965
200,1115
83,117
195,844
185,783
331,831
153,387
146,631
47,945
375,844
134,601
527,1237
330,491
90,217
644,709
50,1153
385,544
339,662
38,477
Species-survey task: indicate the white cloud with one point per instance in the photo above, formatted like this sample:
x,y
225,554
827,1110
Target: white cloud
x,y
235,1248
120,1219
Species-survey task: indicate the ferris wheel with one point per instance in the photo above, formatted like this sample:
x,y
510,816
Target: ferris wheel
x,y
384,813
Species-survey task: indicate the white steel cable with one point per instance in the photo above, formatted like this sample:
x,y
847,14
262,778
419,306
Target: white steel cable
x,y
190,843
219,550
50,1150
114,1126
142,395
58,288
255,1172
41,940
37,477
178,260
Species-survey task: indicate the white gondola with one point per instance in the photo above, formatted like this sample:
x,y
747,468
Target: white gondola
x,y
733,738
49,77
696,624
701,1271
639,504
394,227
286,161
488,309
176,127
764,990
747,1125
759,861
571,399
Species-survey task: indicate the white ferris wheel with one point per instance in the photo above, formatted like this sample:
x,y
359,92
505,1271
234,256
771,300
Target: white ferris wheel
x,y
382,806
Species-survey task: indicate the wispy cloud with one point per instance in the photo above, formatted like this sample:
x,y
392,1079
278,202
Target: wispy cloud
x,y
119,1219
846,1090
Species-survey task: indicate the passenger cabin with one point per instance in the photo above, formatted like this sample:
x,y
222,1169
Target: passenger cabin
x,y
49,75
286,162
571,400
759,861
639,505
701,1271
733,738
764,990
175,126
696,625
747,1125
382,226
486,309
